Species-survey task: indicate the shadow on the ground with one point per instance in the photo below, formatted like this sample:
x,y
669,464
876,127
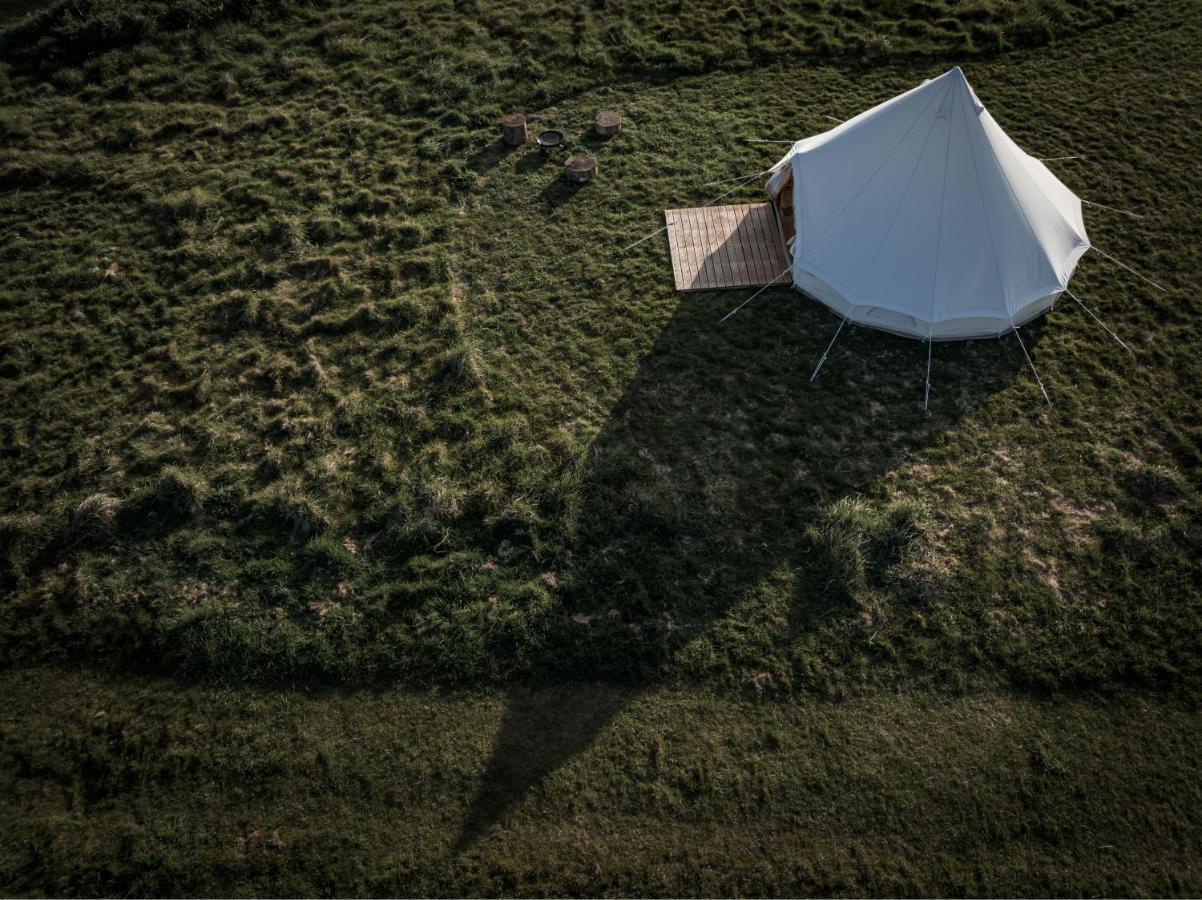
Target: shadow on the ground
x,y
700,488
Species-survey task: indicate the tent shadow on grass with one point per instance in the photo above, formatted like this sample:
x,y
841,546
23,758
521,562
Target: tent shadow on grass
x,y
698,493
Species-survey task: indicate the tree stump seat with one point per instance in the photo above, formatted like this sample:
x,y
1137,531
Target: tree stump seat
x,y
513,129
580,169
608,123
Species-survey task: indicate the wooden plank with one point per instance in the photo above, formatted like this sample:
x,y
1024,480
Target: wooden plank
x,y
742,251
718,251
687,242
689,245
751,247
688,263
721,245
754,236
674,248
701,258
707,269
748,259
772,241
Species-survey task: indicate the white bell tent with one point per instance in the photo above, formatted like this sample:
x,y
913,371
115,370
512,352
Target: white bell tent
x,y
919,217
923,218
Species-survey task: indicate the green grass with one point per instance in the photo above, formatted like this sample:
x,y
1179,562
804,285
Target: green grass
x,y
305,379
304,376
151,789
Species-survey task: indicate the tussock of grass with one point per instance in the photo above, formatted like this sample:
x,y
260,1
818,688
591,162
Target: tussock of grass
x,y
856,545
96,517
182,492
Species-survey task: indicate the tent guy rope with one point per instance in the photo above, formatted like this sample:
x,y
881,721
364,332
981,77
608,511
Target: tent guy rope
x,y
739,178
756,294
1129,269
818,367
926,399
1099,321
1113,209
664,228
1034,372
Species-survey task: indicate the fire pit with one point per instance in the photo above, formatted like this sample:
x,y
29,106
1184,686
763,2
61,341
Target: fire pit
x,y
549,140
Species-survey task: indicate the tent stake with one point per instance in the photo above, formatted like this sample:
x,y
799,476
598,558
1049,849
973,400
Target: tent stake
x,y
926,400
753,296
1038,380
1113,209
828,349
1129,269
1099,321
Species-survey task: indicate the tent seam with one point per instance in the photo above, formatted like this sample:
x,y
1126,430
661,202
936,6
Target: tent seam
x,y
868,180
1021,208
976,171
897,209
947,151
1039,189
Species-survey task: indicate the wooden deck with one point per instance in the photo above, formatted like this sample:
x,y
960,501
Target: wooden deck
x,y
725,247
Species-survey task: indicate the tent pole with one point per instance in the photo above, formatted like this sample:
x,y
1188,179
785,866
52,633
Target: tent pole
x,y
1094,316
753,296
762,141
1129,269
1038,380
1057,158
828,349
1113,209
926,400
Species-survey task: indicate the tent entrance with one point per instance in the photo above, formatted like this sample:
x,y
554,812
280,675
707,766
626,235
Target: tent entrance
x,y
784,209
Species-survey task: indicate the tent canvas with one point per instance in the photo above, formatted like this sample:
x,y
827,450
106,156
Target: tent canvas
x,y
922,217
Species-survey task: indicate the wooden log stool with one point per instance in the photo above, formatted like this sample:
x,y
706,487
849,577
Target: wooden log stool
x,y
513,129
580,169
608,123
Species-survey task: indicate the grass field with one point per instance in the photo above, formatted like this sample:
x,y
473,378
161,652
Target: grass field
x,y
151,788
307,381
